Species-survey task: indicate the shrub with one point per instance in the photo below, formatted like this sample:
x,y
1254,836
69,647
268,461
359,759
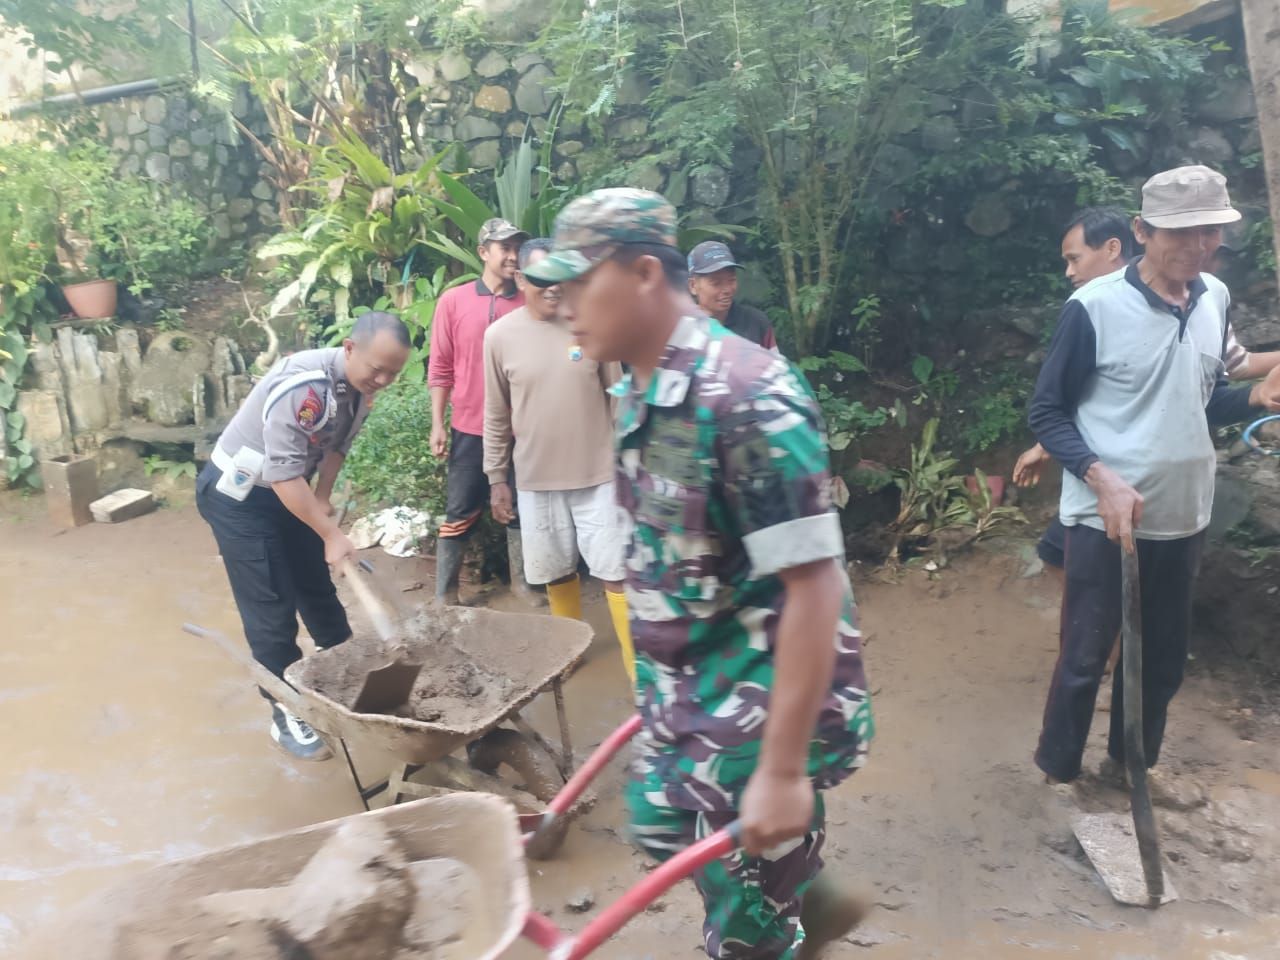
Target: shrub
x,y
391,462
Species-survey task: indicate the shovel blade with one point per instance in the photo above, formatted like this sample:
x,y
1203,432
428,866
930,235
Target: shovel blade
x,y
1112,847
387,688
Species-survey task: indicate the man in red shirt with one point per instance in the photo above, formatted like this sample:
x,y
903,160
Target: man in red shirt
x,y
456,374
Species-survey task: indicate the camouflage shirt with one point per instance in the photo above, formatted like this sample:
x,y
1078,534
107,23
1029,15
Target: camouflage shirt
x,y
724,476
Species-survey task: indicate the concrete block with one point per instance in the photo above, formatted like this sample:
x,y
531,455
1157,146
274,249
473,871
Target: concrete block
x,y
70,488
122,505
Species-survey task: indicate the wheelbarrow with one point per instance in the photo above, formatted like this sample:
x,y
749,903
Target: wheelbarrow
x,y
483,832
525,655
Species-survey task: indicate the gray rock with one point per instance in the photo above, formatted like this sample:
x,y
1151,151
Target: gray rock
x,y
158,138
940,134
581,901
179,171
141,147
155,110
936,103
1257,329
710,186
157,166
47,426
1231,100
226,133
221,226
910,250
201,137
165,386
492,64
484,153
648,177
200,162
179,118
989,216
532,95
492,99
566,171
240,228
629,128
240,103
134,124
469,129
1209,147
525,61
422,69
511,21
454,66
633,90
1250,140
267,213
262,191
569,148
121,144
239,208
678,188
222,155
178,147
516,129
895,164
131,166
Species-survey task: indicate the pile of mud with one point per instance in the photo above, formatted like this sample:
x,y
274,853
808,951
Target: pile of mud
x,y
360,897
452,688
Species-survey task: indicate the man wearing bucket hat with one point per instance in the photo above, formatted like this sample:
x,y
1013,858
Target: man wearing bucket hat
x,y
455,375
1132,385
748,661
713,281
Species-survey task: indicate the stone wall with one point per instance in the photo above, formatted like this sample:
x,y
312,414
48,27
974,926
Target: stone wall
x,y
86,390
172,137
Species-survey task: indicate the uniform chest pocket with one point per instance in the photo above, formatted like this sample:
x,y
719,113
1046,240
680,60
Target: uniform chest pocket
x,y
678,552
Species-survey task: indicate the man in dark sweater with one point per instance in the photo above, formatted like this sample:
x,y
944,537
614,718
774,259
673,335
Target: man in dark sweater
x,y
1134,379
713,281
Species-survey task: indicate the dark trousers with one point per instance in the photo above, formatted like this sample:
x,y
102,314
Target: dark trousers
x,y
1091,616
275,563
467,486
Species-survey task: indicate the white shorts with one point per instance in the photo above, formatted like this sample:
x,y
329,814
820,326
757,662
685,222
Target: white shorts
x,y
558,526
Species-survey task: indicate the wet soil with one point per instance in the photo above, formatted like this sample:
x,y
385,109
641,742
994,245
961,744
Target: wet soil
x,y
451,689
129,744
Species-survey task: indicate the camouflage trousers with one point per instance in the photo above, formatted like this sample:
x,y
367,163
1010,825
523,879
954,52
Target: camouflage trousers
x,y
752,903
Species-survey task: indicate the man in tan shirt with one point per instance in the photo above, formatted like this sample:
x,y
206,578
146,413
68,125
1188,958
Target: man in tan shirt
x,y
539,387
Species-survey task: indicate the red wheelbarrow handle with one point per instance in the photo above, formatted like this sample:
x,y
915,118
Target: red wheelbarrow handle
x,y
562,946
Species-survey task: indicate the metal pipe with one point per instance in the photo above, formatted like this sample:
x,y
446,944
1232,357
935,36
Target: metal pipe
x,y
86,98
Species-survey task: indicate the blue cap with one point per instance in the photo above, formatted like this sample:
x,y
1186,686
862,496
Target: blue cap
x,y
711,256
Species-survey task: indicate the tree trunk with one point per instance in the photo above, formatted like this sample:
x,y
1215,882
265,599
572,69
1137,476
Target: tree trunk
x,y
1262,40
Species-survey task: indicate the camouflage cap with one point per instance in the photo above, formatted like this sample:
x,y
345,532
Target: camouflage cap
x,y
592,228
498,230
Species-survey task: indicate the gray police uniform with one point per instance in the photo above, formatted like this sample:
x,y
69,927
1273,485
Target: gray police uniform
x,y
302,409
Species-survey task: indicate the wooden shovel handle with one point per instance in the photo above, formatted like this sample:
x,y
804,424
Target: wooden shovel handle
x,y
377,612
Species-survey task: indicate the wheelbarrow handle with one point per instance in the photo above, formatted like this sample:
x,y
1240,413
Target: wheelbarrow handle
x,y
282,690
562,946
578,783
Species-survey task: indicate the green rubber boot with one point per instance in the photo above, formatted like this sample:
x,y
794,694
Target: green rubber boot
x,y
448,570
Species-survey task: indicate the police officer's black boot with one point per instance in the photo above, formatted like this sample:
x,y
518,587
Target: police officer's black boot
x,y
295,736
448,570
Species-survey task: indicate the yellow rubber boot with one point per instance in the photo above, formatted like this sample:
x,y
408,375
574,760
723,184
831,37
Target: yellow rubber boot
x,y
622,627
565,599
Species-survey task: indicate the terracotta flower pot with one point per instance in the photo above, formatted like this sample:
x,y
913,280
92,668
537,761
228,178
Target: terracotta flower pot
x,y
93,299
994,484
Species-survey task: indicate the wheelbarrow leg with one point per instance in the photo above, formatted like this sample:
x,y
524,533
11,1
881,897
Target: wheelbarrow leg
x,y
566,744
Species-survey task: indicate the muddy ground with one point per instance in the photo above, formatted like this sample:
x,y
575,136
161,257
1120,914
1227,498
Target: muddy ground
x,y
128,743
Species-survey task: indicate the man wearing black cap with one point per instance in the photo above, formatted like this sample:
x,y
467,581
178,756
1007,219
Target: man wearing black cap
x,y
713,281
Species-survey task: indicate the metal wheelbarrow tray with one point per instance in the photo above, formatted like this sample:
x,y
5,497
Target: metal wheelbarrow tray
x,y
480,668
478,830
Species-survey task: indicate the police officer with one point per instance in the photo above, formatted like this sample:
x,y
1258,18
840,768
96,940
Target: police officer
x,y
275,531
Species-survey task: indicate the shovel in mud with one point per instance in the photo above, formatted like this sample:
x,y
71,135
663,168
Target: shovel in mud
x,y
1126,851
387,687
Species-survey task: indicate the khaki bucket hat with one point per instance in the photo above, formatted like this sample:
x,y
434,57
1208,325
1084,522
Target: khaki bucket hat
x,y
1192,196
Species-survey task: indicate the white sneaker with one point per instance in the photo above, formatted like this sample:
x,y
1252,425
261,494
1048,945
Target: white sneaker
x,y
296,737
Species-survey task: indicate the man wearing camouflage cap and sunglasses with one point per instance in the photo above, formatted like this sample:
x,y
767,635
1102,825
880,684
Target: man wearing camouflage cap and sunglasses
x,y
748,660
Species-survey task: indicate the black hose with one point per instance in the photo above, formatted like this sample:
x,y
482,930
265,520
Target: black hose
x,y
1144,820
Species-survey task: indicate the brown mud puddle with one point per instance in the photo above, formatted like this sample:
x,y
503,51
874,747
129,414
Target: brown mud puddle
x,y
128,743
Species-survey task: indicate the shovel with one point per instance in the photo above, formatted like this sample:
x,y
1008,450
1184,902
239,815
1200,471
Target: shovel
x,y
1126,853
387,687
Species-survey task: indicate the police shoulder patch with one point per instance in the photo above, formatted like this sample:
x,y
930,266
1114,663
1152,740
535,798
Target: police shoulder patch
x,y
308,411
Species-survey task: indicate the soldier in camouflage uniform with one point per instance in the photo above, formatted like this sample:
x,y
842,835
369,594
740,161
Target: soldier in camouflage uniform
x,y
749,669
